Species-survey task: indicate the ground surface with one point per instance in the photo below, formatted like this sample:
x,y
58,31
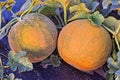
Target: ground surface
x,y
64,72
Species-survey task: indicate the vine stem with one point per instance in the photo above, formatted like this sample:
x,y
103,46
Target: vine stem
x,y
12,12
57,19
65,15
118,29
116,40
114,34
60,18
11,22
7,27
29,9
6,67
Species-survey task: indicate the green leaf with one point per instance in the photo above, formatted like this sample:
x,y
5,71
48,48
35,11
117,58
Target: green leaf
x,y
20,54
11,76
96,18
54,60
111,23
47,10
112,70
79,16
110,5
36,8
105,3
94,5
52,3
12,61
117,73
80,10
110,76
91,4
74,2
24,64
45,63
115,2
112,63
11,55
19,61
114,28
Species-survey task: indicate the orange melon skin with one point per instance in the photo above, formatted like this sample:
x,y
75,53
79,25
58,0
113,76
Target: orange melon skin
x,y
36,34
84,45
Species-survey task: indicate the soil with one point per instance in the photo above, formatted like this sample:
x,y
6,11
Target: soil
x,y
63,72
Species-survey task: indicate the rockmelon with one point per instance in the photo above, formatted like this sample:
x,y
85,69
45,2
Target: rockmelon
x,y
36,34
83,45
